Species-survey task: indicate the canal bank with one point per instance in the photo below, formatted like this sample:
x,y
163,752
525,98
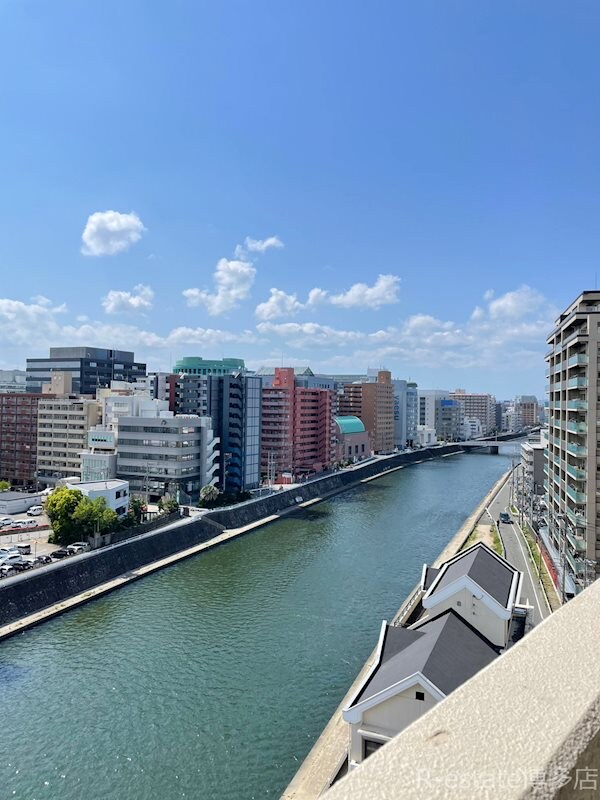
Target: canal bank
x,y
215,677
34,597
327,756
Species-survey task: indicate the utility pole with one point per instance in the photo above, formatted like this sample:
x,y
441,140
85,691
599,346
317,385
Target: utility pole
x,y
563,558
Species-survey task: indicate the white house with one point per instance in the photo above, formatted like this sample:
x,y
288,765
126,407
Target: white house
x,y
481,586
115,492
467,608
415,668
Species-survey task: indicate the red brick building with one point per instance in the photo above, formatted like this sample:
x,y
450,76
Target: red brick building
x,y
298,436
18,437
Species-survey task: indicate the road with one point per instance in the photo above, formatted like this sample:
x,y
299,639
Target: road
x,y
517,553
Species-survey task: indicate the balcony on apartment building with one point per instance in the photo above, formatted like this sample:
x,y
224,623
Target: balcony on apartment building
x,y
577,383
579,451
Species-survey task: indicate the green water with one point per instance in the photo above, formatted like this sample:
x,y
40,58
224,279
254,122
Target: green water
x,y
213,678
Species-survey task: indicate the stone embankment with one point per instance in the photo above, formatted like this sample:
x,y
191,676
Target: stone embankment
x,y
35,596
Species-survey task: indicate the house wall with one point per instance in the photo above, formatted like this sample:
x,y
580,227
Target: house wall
x,y
388,718
476,613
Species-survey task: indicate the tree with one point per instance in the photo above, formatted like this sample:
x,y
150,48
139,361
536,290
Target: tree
x,y
60,508
74,517
138,508
94,516
168,505
4,486
208,495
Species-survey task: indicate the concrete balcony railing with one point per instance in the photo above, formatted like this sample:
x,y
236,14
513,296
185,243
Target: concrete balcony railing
x,y
526,726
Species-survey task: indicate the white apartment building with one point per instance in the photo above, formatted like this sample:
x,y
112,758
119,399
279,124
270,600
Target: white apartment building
x,y
62,431
573,363
481,406
427,403
472,428
167,454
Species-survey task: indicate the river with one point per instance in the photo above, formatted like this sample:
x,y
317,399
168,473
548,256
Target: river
x,y
212,679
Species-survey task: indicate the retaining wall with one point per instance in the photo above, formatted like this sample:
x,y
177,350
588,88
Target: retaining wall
x,y
30,592
280,501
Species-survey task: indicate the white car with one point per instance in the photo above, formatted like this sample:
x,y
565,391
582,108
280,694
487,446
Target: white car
x,y
78,547
6,522
11,558
35,511
25,523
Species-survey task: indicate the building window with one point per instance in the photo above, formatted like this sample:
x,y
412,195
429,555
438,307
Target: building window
x,y
420,695
370,746
458,603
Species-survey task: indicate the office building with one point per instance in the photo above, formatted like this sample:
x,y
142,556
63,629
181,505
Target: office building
x,y
89,367
12,380
482,406
191,365
373,403
297,436
573,448
428,400
167,455
405,413
62,430
352,440
114,492
448,420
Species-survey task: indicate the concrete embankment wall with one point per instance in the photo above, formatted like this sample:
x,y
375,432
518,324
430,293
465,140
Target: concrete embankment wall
x,y
276,503
31,592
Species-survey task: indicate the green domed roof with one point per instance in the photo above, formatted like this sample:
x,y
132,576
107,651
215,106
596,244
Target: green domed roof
x,y
350,425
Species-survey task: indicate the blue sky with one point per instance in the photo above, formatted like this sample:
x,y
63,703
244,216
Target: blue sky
x,y
449,147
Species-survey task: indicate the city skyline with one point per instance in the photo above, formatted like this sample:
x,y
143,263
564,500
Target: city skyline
x,y
230,181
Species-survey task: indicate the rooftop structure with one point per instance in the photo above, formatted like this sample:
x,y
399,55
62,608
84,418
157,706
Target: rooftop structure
x,y
89,367
193,365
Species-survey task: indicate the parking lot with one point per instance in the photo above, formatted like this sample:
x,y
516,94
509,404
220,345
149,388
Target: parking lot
x,y
34,539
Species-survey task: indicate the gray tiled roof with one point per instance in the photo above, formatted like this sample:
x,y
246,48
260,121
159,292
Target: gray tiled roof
x,y
431,574
446,650
493,575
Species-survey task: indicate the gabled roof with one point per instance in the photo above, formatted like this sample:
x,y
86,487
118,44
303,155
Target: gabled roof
x,y
442,653
428,576
482,566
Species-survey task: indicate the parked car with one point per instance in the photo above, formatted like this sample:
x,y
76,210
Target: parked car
x,y
10,559
6,570
24,549
25,523
35,511
22,566
62,552
4,551
78,547
39,561
6,522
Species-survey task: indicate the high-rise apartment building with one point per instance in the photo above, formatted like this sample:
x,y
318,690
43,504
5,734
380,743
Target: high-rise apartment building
x,y
62,433
18,437
373,403
298,435
89,367
573,366
482,406
527,410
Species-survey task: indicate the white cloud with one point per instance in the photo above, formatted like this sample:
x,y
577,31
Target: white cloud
x,y
257,246
233,281
302,334
280,304
521,302
109,232
383,292
139,300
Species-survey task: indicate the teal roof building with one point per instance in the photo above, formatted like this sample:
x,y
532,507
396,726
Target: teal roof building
x,y
192,365
349,424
